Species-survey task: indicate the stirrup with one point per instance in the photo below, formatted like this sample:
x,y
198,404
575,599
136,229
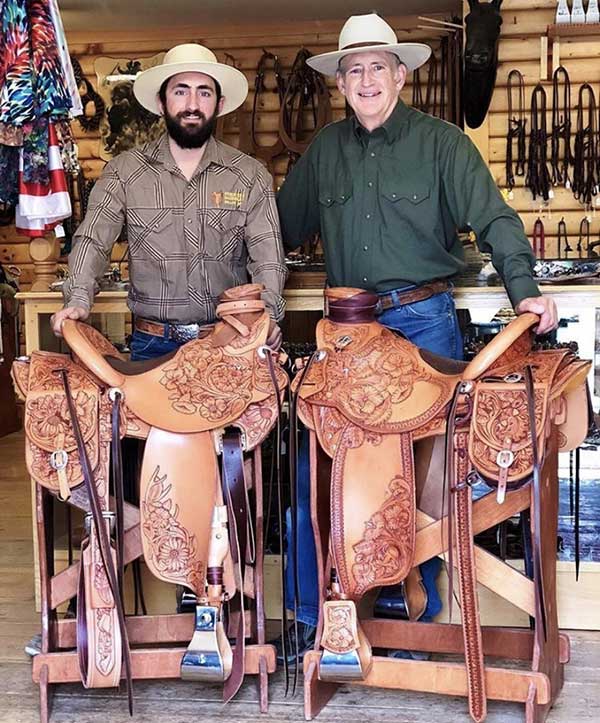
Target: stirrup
x,y
209,656
346,652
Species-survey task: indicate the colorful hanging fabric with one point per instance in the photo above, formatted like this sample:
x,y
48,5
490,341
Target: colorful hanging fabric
x,y
42,207
16,74
51,95
65,60
9,175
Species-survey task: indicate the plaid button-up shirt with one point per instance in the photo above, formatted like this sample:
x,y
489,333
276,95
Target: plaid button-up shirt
x,y
188,240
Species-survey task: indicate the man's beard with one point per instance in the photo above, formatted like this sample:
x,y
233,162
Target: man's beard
x,y
193,136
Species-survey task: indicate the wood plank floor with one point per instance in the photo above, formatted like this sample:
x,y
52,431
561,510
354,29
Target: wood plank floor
x,y
176,701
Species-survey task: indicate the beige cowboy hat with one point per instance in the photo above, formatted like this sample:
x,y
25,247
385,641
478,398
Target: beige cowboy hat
x,y
191,57
367,33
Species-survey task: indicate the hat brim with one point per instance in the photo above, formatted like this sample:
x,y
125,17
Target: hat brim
x,y
234,85
413,55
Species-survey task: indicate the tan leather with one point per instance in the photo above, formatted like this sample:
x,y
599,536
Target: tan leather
x,y
370,396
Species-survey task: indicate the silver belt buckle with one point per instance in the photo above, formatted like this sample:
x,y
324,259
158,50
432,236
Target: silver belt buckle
x,y
182,333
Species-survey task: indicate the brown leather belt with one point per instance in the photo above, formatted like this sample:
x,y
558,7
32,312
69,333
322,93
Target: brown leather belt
x,y
174,332
411,296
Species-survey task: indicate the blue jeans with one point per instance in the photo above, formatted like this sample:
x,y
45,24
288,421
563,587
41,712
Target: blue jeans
x,y
431,324
147,346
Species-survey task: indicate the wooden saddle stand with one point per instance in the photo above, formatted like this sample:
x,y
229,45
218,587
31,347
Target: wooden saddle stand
x,y
215,397
382,416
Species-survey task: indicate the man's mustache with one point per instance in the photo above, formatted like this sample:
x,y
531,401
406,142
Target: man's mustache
x,y
191,114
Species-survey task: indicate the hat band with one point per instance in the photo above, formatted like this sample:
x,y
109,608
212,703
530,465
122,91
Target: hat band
x,y
367,44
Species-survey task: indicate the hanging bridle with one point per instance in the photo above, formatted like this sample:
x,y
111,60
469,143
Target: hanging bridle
x,y
306,91
561,157
539,239
562,238
584,165
516,128
538,176
584,235
428,104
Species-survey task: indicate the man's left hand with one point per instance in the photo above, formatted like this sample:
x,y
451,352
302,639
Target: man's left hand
x,y
544,307
275,336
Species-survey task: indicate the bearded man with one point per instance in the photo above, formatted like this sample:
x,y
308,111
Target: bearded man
x,y
200,216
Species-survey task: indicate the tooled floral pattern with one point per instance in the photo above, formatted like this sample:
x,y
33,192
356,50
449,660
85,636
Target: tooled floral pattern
x,y
503,415
44,373
262,377
173,548
98,340
48,419
367,384
338,634
386,548
257,421
101,585
206,381
38,465
105,652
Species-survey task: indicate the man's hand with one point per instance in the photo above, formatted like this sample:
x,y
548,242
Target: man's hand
x,y
544,307
275,336
71,312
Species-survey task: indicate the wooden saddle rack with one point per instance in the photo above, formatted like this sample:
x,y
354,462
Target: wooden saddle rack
x,y
382,416
203,412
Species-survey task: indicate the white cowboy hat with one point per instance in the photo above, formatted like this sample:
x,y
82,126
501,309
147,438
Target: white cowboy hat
x,y
368,33
196,58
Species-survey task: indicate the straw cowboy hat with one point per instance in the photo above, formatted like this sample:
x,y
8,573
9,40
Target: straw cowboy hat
x,y
183,59
367,33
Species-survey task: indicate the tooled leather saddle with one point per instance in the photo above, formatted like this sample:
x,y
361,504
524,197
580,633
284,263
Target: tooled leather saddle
x,y
368,396
216,396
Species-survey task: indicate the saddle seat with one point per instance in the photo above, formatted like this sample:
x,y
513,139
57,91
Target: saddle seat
x,y
207,383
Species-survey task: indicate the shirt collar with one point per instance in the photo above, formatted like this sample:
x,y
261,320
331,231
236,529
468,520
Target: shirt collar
x,y
160,152
392,127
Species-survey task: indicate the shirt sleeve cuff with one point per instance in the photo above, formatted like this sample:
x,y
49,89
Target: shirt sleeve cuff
x,y
521,288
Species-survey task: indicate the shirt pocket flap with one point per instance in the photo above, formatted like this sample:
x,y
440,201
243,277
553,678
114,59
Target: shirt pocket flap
x,y
414,191
337,195
151,219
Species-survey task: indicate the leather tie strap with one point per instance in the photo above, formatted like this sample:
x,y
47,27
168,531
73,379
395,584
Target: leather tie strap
x,y
103,539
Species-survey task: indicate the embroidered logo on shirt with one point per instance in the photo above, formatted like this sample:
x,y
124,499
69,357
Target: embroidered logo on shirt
x,y
228,198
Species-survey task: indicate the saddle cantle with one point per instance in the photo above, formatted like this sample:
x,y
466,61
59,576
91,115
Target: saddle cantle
x,y
216,396
369,395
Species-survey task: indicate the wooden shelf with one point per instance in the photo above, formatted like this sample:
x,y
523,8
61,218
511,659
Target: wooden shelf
x,y
565,30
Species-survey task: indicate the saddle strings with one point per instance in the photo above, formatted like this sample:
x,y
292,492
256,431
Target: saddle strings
x,y
538,176
585,167
561,156
516,128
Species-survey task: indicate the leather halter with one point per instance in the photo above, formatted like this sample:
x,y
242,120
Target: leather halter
x,y
516,128
306,91
538,176
585,173
561,128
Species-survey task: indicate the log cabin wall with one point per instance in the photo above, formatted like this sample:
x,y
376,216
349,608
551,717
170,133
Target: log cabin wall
x,y
525,23
245,44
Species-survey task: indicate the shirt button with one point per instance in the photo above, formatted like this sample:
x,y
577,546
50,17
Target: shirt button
x,y
370,184
368,216
415,197
342,197
365,248
189,220
365,279
393,195
372,154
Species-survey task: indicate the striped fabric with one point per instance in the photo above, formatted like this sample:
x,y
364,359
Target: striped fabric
x,y
42,207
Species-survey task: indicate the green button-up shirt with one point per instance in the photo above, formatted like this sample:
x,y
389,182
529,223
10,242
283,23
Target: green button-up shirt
x,y
388,205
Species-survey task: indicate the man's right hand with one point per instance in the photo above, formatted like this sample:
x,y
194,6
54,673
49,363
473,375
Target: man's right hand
x,y
70,312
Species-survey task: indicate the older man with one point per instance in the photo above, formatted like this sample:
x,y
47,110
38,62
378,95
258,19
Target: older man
x,y
200,215
387,190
